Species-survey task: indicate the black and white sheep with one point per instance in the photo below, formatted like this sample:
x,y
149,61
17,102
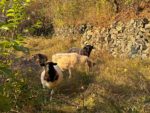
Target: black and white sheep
x,y
86,50
67,61
51,76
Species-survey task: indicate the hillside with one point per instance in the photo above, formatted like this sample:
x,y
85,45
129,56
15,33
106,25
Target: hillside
x,y
116,85
119,81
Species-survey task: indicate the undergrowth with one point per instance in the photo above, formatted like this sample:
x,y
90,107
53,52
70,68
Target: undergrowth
x,y
116,85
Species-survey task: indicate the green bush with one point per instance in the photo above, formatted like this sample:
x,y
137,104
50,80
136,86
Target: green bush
x,y
11,41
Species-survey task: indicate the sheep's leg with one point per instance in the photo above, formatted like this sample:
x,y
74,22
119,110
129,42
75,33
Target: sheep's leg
x,y
90,65
43,86
86,68
69,72
44,97
51,94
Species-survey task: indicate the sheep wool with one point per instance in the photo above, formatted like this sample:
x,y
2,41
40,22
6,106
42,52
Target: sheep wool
x,y
51,85
68,60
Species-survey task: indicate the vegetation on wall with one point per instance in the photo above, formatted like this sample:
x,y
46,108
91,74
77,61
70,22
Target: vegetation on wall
x,y
68,12
44,16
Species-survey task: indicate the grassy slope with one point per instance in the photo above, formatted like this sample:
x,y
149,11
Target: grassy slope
x,y
115,86
97,12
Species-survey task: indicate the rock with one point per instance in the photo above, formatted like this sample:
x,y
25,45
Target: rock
x,y
129,39
82,28
147,26
142,30
132,21
145,21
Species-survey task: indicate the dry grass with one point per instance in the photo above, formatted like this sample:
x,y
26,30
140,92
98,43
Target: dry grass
x,y
115,86
97,12
49,46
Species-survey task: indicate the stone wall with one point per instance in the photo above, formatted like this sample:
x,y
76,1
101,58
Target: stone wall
x,y
72,31
129,39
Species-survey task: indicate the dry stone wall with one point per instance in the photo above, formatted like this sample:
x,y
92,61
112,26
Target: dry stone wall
x,y
131,39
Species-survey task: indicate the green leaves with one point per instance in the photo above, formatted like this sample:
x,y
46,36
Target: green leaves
x,y
2,2
5,44
27,1
128,2
17,45
4,27
4,104
4,70
20,48
14,11
14,15
12,40
10,11
38,24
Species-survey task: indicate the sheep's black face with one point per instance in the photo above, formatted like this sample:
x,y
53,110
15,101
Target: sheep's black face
x,y
52,74
89,47
87,50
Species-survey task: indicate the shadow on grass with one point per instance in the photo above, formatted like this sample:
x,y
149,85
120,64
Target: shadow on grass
x,y
69,90
78,83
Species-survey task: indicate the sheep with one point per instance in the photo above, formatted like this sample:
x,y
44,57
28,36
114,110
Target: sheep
x,y
41,59
51,76
86,50
67,61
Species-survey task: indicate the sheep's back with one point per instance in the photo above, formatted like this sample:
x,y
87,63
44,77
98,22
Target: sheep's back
x,y
82,59
74,50
65,60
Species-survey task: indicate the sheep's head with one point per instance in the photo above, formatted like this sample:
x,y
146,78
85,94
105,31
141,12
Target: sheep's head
x,y
88,49
51,64
52,74
40,59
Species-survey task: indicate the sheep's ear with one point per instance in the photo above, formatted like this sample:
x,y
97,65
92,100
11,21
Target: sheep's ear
x,y
93,47
54,63
42,64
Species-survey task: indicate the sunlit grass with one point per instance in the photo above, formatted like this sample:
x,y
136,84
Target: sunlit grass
x,y
115,85
49,46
